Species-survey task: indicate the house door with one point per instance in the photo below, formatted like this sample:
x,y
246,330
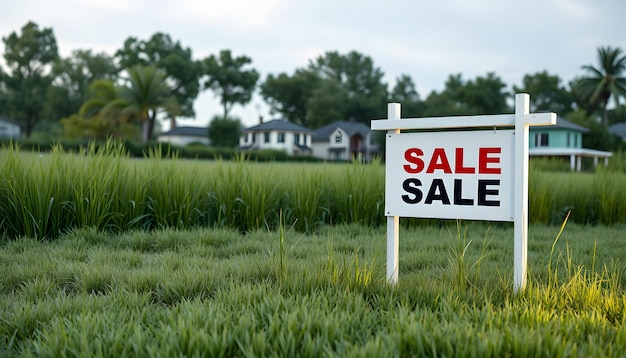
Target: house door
x,y
356,145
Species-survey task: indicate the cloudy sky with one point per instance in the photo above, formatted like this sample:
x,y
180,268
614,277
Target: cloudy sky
x,y
426,39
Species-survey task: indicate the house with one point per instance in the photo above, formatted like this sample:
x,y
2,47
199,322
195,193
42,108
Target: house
x,y
344,140
9,128
185,135
619,129
277,134
563,140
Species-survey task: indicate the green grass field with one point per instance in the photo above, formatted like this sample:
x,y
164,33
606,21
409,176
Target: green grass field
x,y
103,255
217,292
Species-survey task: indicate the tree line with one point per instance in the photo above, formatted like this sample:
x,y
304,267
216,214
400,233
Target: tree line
x,y
96,95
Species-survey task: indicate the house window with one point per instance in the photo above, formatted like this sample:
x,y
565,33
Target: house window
x,y
541,140
575,140
296,138
569,136
338,138
266,137
281,137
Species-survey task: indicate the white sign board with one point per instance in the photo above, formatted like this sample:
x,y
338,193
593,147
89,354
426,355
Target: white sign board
x,y
450,175
473,174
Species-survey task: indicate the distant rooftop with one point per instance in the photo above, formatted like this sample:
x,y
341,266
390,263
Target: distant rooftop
x,y
351,128
564,123
187,131
277,125
9,120
618,129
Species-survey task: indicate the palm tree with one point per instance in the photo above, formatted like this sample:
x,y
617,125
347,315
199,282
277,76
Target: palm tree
x,y
101,115
605,81
101,94
146,95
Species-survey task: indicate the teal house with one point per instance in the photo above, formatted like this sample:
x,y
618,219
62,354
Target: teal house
x,y
565,139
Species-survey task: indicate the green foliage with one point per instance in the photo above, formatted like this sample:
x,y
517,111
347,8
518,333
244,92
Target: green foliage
x,y
224,132
598,136
228,79
72,79
98,128
546,93
352,88
176,61
617,114
28,57
617,163
405,93
333,87
290,95
483,95
146,94
604,82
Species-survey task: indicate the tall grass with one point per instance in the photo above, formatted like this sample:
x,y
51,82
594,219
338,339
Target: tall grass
x,y
43,196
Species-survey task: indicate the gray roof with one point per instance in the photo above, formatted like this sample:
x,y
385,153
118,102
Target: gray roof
x,y
618,129
351,128
187,131
564,123
277,125
9,120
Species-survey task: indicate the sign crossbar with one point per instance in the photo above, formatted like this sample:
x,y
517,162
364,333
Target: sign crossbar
x,y
498,121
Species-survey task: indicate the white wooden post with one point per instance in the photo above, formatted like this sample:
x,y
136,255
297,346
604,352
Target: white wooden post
x,y
520,221
393,222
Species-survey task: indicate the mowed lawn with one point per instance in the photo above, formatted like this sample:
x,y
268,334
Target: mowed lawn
x,y
217,292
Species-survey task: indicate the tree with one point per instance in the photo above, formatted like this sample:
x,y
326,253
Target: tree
x,y
72,77
546,93
224,132
359,81
229,80
290,95
101,115
182,72
618,114
483,95
605,81
29,57
145,95
598,136
102,93
405,93
4,97
486,94
328,103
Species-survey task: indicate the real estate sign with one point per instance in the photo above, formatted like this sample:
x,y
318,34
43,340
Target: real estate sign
x,y
450,175
462,167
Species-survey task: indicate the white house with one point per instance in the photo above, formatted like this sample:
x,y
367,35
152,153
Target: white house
x,y
343,140
9,128
185,135
277,134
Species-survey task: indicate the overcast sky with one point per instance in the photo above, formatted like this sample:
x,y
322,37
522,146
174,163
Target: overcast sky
x,y
428,40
